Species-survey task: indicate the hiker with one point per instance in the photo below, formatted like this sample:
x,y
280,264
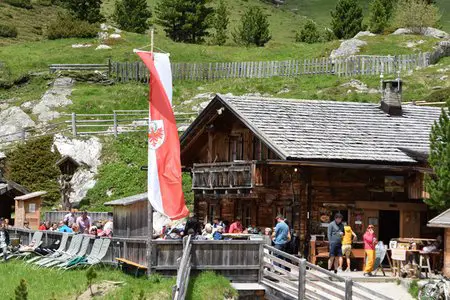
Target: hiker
x,y
84,222
347,239
4,240
335,233
70,218
281,234
62,227
369,247
236,226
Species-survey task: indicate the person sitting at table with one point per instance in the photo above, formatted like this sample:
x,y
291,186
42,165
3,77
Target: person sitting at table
x,y
434,246
217,235
369,247
236,226
216,223
208,231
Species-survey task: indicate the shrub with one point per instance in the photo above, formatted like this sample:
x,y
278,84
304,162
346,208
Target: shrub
x,y
37,171
185,20
220,24
86,10
20,3
347,19
21,290
132,15
8,31
65,26
416,15
309,33
254,28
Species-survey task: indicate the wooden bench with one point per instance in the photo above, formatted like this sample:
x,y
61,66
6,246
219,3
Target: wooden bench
x,y
131,267
320,250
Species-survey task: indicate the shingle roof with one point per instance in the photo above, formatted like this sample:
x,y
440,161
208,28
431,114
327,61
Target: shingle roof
x,y
329,130
128,200
443,220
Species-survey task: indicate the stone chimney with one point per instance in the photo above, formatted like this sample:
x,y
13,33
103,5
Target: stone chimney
x,y
391,96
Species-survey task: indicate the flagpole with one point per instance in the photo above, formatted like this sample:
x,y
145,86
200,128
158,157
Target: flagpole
x,y
149,205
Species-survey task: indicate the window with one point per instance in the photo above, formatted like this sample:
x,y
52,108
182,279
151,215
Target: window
x,y
236,148
257,149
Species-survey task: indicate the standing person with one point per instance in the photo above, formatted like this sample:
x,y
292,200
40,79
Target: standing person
x,y
335,233
369,247
70,218
194,224
62,227
281,234
347,239
84,222
4,240
236,226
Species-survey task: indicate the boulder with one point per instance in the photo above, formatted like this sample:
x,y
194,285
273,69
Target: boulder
x,y
81,45
82,181
444,78
347,48
3,106
55,97
428,31
103,47
115,36
402,31
104,26
363,33
12,121
28,105
359,86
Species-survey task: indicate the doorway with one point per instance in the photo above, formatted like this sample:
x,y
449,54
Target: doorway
x,y
389,225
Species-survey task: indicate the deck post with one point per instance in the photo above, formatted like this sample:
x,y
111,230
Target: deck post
x,y
149,237
115,124
74,124
302,279
348,288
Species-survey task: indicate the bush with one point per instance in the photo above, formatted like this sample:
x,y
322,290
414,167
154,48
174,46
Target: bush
x,y
347,19
21,290
8,31
416,15
32,164
20,3
65,26
254,28
132,15
309,33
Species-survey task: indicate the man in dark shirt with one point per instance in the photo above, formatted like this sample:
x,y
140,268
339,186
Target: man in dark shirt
x,y
335,233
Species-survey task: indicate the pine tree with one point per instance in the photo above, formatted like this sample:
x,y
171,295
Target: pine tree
x,y
132,15
378,18
254,28
21,291
38,171
185,20
438,184
309,33
347,19
87,10
220,24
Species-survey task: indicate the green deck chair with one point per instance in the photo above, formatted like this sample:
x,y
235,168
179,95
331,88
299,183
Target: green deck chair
x,y
71,251
58,252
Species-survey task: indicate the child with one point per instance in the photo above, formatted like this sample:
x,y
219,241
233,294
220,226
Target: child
x,y
347,239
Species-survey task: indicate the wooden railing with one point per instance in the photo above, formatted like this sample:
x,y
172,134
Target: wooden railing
x,y
224,176
56,216
184,271
80,67
298,279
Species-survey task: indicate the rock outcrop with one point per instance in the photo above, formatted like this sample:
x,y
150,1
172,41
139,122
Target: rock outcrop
x,y
53,98
12,121
87,153
347,48
428,31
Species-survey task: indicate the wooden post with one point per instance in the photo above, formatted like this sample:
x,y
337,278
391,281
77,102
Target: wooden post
x,y
348,288
302,279
74,124
115,124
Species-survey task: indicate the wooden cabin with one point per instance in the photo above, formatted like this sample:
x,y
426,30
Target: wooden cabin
x,y
28,207
8,191
442,221
256,157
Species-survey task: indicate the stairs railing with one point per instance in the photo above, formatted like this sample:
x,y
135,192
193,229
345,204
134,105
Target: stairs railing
x,y
184,270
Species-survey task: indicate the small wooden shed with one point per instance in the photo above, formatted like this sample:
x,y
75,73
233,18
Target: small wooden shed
x,y
67,165
28,207
443,221
130,216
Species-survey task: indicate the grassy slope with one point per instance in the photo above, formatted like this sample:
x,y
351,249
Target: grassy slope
x,y
44,284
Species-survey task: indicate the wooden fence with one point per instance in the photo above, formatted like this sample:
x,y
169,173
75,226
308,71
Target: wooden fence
x,y
184,270
341,66
80,67
120,121
290,277
56,216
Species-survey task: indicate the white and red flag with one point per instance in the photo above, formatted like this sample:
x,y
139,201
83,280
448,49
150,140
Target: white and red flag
x,y
165,191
